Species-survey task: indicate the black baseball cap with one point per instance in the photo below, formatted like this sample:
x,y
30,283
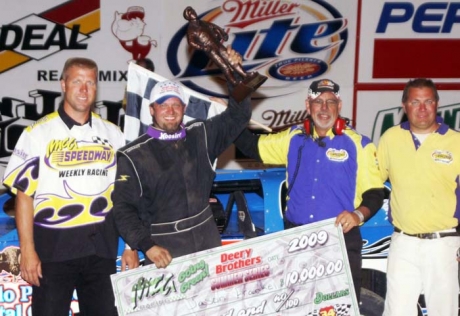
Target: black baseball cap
x,y
324,85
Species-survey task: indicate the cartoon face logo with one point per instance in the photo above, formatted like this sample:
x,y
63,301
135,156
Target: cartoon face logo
x,y
128,28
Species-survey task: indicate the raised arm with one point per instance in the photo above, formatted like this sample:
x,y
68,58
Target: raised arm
x,y
247,143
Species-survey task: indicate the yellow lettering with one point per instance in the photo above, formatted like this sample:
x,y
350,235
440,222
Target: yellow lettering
x,y
61,144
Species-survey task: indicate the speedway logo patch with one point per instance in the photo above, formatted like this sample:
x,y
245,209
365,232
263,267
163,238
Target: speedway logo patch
x,y
442,156
339,155
68,152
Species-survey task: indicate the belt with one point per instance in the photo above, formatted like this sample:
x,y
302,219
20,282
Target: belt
x,y
185,224
429,235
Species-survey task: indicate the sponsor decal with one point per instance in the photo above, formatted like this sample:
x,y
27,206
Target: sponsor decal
x,y
123,177
421,21
166,136
288,41
442,156
339,155
238,268
237,260
38,36
128,28
20,153
194,274
327,311
15,299
412,26
66,153
297,69
103,75
283,118
164,285
320,297
394,116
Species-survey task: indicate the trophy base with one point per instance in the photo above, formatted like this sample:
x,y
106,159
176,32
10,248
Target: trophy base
x,y
250,84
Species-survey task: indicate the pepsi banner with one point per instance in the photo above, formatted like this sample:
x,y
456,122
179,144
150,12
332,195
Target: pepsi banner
x,y
300,271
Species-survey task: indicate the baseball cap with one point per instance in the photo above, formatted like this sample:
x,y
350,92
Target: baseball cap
x,y
165,90
324,85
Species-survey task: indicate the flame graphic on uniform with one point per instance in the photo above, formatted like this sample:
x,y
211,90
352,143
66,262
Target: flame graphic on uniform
x,y
24,177
72,210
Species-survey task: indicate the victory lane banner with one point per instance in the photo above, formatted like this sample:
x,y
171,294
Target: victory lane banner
x,y
299,271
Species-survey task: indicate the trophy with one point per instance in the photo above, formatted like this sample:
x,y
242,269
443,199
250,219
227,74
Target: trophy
x,y
208,37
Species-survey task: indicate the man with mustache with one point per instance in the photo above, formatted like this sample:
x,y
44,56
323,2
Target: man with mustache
x,y
332,170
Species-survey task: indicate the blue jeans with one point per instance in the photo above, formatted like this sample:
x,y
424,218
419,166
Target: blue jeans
x,y
91,278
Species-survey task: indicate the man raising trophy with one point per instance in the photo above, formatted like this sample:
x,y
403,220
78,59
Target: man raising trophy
x,y
208,37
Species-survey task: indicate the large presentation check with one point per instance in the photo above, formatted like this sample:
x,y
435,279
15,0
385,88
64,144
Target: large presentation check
x,y
299,271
